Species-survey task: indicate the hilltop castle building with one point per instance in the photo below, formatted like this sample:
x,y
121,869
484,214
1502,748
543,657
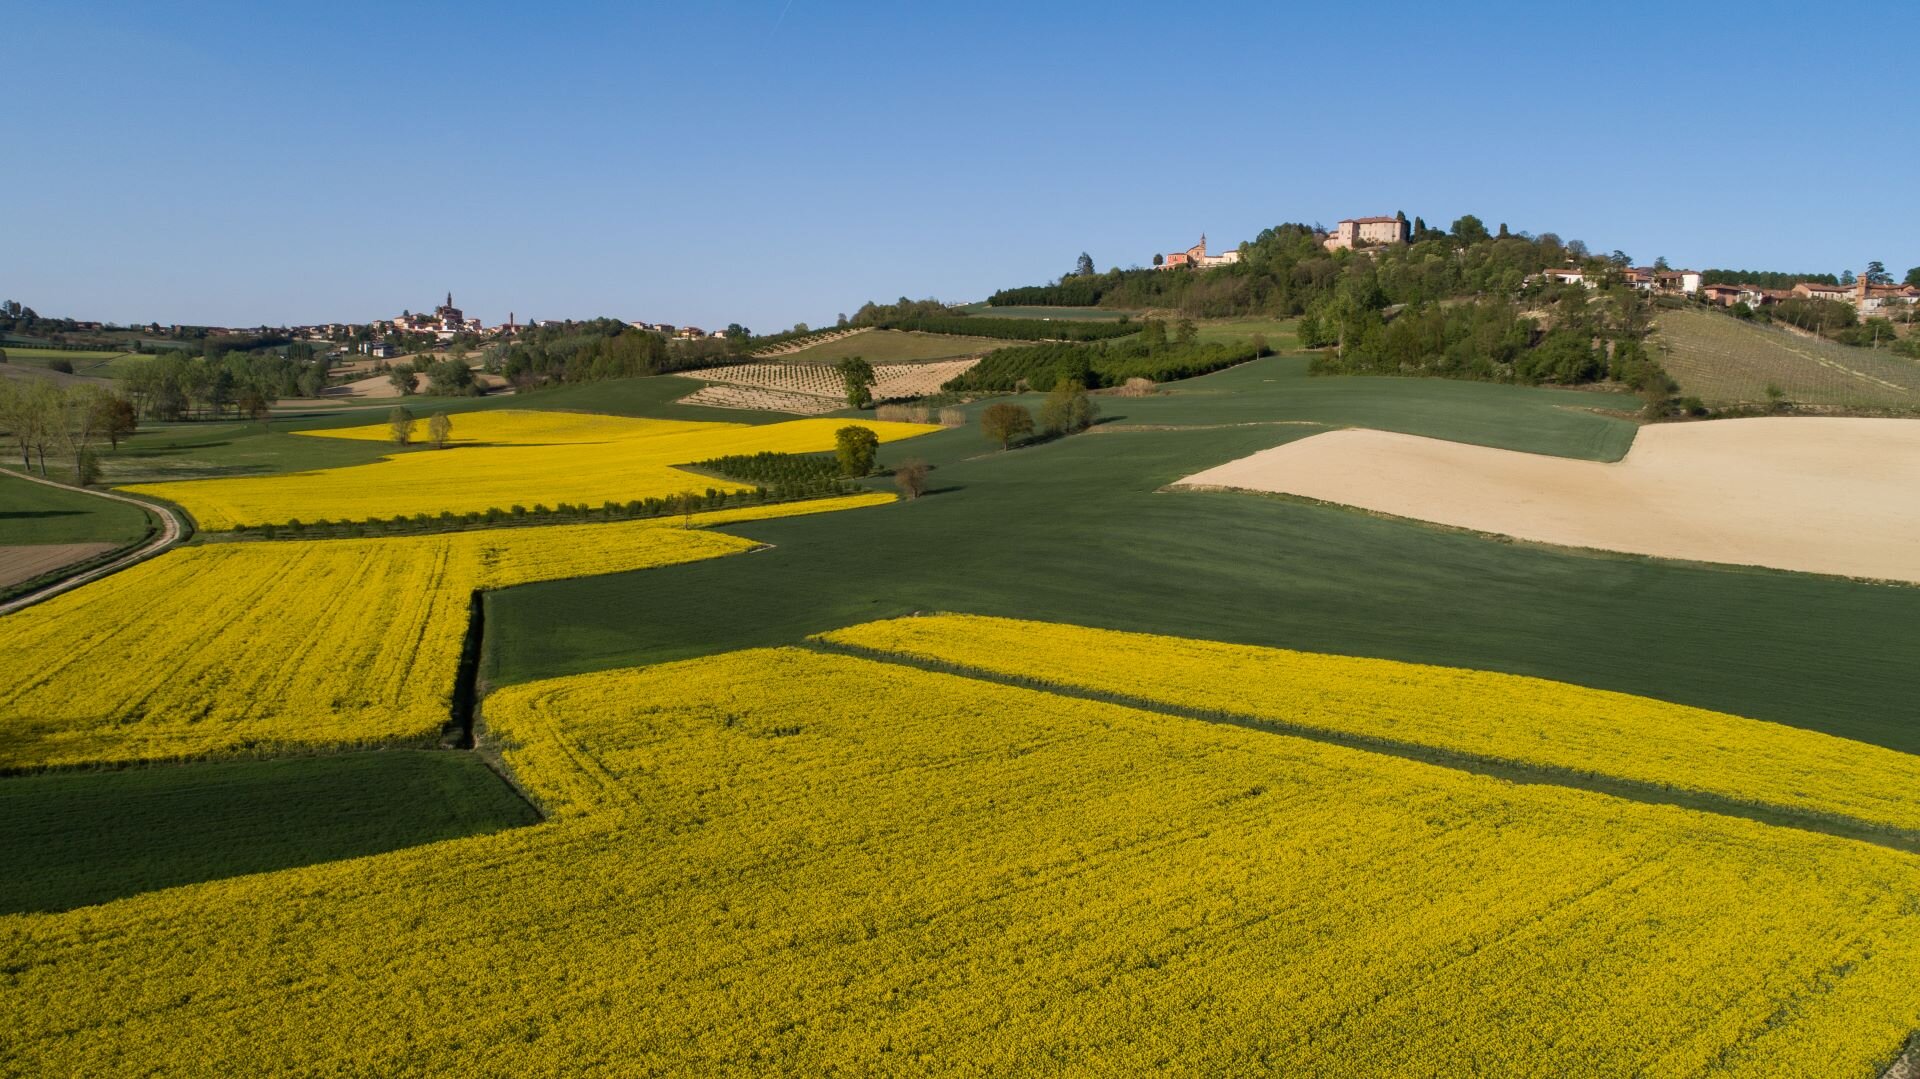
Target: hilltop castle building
x,y
1367,231
1196,257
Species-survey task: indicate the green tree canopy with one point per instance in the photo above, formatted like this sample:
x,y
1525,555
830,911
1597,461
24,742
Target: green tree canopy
x,y
1003,422
1067,409
857,375
856,447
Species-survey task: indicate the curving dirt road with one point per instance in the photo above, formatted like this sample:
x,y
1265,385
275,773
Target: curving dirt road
x,y
170,532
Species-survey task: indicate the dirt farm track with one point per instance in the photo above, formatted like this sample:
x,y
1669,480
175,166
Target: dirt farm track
x,y
1821,495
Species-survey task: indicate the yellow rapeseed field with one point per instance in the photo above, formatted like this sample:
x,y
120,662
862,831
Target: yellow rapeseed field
x,y
1498,716
522,458
780,862
270,647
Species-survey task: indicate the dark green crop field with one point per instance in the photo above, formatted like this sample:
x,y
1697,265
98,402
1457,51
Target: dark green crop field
x,y
35,513
1079,530
77,838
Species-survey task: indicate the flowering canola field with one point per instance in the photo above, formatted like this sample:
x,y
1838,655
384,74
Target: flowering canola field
x,y
785,862
269,647
505,458
1497,716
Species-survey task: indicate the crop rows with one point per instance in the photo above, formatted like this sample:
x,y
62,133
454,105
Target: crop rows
x,y
786,862
267,647
812,388
1724,361
1482,713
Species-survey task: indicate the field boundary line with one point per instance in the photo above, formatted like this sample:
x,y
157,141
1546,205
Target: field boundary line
x,y
1835,825
171,531
1568,550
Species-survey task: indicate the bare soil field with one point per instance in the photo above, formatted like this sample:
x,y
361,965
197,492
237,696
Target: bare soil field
x,y
25,563
1816,494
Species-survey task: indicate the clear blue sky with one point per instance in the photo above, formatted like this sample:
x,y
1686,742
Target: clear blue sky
x,y
773,162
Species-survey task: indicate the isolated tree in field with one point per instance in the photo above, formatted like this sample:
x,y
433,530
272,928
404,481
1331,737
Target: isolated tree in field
x,y
43,412
1185,332
857,375
1153,335
1004,422
1068,409
401,376
911,478
3,355
1084,267
400,425
16,415
74,416
450,378
118,418
255,405
856,448
439,430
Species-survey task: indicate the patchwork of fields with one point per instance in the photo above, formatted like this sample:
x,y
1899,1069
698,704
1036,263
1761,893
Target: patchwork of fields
x,y
521,458
813,389
785,831
1816,494
294,645
942,874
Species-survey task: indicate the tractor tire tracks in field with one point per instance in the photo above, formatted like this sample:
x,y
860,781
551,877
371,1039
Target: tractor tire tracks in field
x,y
1511,771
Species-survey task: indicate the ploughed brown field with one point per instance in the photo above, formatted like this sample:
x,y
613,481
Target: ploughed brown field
x,y
25,563
1817,494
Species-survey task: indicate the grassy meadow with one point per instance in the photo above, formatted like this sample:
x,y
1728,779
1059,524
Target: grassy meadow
x,y
33,513
90,362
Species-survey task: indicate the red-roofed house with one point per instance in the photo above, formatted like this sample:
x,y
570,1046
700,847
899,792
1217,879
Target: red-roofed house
x,y
1197,257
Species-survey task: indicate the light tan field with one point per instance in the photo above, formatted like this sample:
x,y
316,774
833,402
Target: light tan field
x,y
1821,495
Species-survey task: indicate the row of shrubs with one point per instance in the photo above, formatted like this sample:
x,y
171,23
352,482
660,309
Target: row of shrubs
x,y
1040,367
787,475
921,413
1013,329
538,514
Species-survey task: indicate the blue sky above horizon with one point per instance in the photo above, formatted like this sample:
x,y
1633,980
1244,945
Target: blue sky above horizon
x,y
773,162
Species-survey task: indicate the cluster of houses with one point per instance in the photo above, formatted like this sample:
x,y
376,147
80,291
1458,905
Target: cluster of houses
x,y
1349,233
1864,295
679,333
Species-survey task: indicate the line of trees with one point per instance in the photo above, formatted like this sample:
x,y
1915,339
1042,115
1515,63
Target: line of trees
x,y
1014,329
176,385
71,422
1764,278
1153,355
